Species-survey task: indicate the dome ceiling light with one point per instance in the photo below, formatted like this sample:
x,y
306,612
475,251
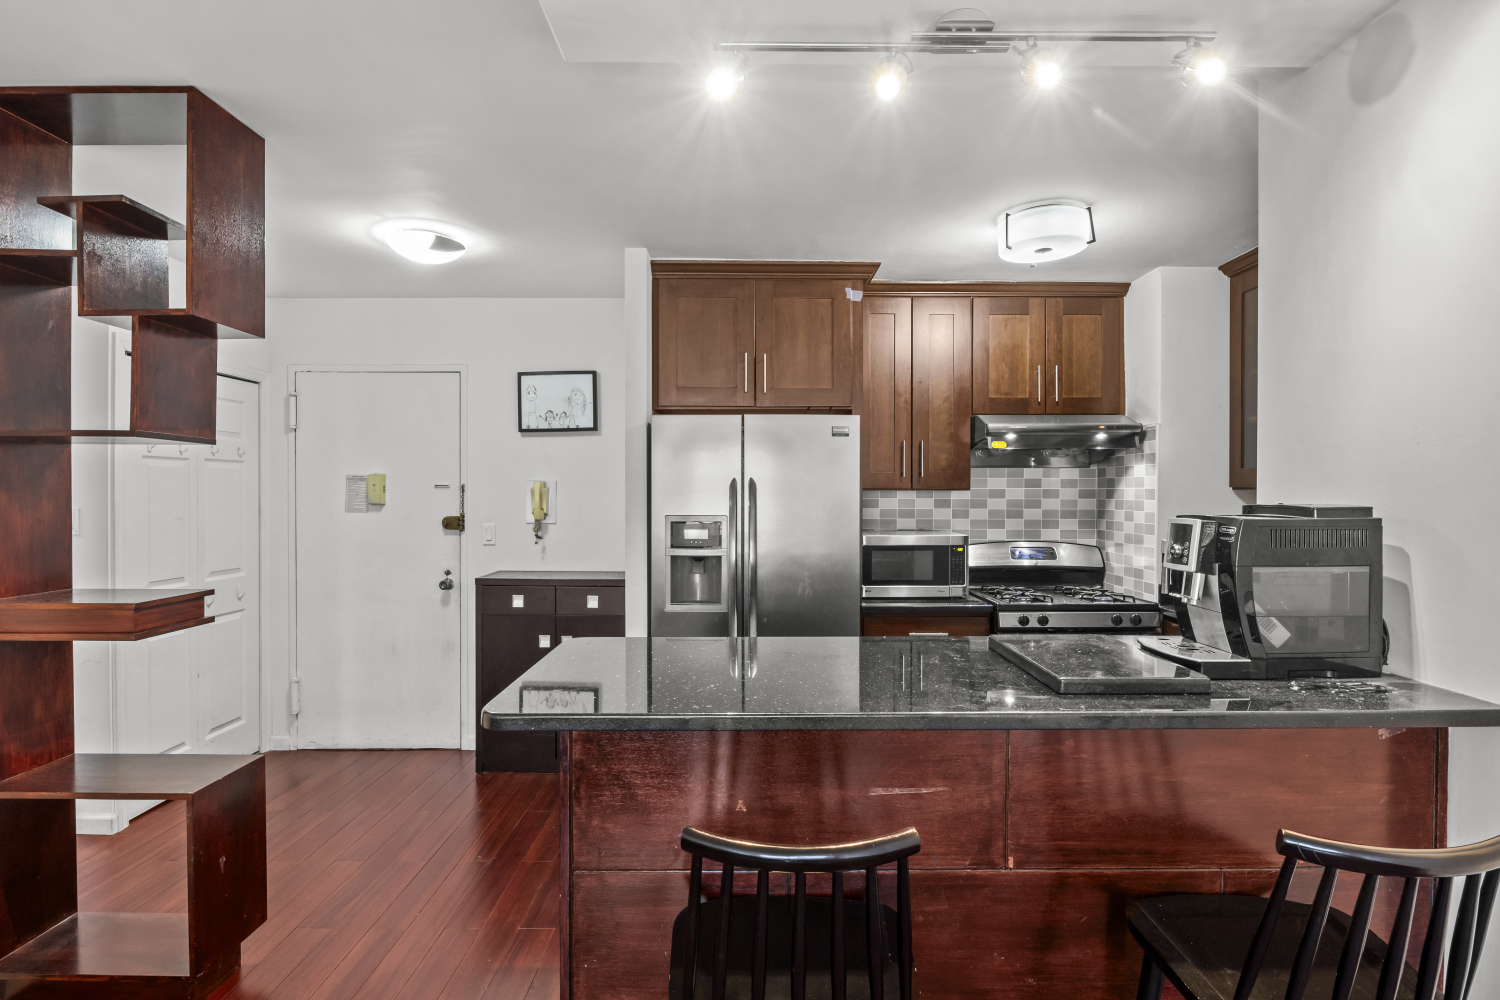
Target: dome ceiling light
x,y
425,246
1040,233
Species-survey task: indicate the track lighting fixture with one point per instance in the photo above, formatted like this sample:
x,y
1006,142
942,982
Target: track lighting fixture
x,y
723,81
891,76
1040,68
1201,65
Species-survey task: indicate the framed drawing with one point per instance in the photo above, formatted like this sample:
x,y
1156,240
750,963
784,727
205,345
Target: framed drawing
x,y
557,401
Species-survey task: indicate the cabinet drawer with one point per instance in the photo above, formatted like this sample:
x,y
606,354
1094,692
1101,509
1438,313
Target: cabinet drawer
x,y
591,625
591,601
925,625
517,600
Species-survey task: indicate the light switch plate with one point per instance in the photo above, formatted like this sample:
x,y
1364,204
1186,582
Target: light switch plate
x,y
489,534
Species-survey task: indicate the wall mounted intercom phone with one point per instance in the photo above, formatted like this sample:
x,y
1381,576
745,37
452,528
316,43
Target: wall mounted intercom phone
x,y
538,508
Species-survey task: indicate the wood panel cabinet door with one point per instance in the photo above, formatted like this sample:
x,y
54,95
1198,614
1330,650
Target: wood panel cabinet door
x,y
1085,369
885,445
804,343
1010,350
705,338
942,378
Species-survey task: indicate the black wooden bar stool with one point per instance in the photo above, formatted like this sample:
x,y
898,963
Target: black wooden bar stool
x,y
759,946
1248,948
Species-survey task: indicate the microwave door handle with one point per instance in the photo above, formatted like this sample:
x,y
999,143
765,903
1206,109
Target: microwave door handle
x,y
752,559
731,581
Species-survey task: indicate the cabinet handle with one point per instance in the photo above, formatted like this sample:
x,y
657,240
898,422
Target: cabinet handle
x,y
1056,392
1038,383
747,371
903,459
922,460
765,374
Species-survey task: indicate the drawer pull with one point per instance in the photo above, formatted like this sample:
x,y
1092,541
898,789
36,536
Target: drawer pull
x,y
544,642
593,600
943,634
518,600
563,638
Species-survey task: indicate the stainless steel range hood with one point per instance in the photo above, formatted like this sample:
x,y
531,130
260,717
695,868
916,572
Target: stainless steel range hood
x,y
1040,440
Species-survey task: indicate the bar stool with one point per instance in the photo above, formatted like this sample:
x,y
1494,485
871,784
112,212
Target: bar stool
x,y
733,946
1248,948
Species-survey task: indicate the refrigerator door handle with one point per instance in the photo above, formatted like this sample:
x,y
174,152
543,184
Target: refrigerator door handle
x,y
752,559
732,573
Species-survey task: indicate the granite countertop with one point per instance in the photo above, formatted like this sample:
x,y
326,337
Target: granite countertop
x,y
925,606
869,683
548,574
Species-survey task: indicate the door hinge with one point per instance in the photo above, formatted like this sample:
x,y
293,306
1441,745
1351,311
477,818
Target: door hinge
x,y
291,411
296,696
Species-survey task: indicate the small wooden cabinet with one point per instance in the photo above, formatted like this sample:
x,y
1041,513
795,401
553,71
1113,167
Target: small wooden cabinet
x,y
743,335
522,618
1049,355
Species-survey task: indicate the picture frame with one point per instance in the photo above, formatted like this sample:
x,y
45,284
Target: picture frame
x,y
557,402
560,698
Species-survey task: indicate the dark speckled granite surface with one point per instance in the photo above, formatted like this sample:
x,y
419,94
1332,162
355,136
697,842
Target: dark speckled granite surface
x,y
854,683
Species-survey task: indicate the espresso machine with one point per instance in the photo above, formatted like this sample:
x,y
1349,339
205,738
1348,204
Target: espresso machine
x,y
1275,592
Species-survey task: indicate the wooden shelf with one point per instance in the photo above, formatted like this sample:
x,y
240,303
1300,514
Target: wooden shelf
x,y
123,776
83,436
151,946
125,615
122,209
55,267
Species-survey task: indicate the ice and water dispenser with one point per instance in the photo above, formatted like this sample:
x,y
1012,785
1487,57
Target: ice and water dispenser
x,y
696,558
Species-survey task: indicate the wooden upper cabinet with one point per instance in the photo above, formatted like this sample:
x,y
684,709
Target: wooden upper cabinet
x,y
705,339
1085,366
885,442
804,343
1010,352
942,360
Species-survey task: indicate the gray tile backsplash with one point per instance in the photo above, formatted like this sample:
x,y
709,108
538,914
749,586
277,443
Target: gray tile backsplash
x,y
1112,505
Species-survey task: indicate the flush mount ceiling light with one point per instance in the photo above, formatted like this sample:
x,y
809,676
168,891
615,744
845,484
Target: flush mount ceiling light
x,y
1039,233
1201,65
424,246
891,76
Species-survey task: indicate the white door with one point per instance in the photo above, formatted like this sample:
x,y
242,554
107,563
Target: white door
x,y
377,639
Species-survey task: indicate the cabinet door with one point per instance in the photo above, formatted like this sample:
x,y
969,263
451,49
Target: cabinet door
x,y
804,342
1085,356
508,645
885,445
586,626
1010,350
942,376
705,336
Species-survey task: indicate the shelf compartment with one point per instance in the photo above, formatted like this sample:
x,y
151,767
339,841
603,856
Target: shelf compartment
x,y
124,776
125,615
122,252
148,946
126,211
82,436
27,267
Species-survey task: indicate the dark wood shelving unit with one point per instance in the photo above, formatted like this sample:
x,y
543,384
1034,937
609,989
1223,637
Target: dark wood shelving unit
x,y
115,250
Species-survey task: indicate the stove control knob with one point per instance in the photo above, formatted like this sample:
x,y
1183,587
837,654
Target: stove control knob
x,y
1023,620
1041,619
1135,619
1116,620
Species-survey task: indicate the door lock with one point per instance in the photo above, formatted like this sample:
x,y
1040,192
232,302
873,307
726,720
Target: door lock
x,y
446,583
456,522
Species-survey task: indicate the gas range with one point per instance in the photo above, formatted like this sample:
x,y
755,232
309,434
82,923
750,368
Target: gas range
x,y
1053,586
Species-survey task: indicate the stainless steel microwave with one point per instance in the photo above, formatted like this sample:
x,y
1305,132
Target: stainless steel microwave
x,y
914,564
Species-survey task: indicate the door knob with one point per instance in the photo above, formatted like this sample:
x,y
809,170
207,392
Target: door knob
x,y
446,583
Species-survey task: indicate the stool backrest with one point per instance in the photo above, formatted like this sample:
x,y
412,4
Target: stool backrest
x,y
1477,864
835,859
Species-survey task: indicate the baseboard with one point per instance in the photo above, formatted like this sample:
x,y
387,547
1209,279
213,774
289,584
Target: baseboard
x,y
279,743
100,823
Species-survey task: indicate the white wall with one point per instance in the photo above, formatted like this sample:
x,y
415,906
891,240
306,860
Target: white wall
x,y
1379,354
493,339
637,332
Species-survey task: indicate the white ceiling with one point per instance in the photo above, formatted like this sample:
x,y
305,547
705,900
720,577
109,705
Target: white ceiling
x,y
464,113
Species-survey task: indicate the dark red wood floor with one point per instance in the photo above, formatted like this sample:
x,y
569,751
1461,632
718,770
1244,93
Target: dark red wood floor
x,y
394,875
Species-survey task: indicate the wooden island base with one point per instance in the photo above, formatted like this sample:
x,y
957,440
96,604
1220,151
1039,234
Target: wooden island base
x,y
1033,842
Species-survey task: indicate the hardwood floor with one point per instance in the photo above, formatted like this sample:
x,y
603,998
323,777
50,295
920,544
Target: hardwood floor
x,y
394,875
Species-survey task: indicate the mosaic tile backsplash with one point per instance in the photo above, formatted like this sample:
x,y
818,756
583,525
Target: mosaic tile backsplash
x,y
1111,505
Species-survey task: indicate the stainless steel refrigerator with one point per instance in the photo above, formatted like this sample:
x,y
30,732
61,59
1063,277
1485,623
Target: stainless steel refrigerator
x,y
755,525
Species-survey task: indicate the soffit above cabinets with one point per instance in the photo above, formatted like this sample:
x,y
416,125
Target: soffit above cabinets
x,y
1264,34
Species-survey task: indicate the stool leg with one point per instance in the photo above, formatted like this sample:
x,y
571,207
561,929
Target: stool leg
x,y
1151,982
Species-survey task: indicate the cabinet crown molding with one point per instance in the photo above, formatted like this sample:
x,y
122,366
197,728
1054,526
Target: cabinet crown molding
x,y
861,270
1242,263
1040,289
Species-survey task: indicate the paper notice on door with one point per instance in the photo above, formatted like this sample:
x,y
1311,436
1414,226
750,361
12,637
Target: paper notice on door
x,y
356,495
1273,631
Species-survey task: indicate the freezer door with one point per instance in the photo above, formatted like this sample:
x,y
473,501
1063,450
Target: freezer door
x,y
695,468
802,524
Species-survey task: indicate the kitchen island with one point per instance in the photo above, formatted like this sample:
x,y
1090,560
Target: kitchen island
x,y
1041,815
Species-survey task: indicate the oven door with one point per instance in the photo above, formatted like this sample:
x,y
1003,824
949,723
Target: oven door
x,y
914,571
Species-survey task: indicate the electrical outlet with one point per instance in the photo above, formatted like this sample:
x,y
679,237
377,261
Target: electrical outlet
x,y
489,534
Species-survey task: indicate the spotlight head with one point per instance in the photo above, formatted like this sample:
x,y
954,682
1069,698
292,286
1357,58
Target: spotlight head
x,y
723,82
1200,65
1040,68
891,76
